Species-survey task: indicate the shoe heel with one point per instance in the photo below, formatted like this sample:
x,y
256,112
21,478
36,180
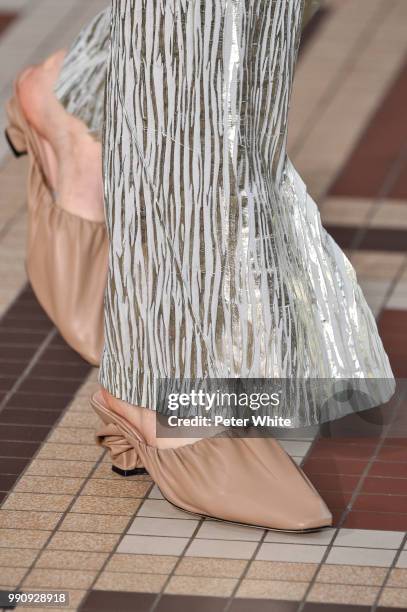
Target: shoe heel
x,y
14,133
138,471
124,457
15,141
125,460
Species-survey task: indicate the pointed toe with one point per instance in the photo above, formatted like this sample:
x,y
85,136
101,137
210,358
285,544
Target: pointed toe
x,y
317,515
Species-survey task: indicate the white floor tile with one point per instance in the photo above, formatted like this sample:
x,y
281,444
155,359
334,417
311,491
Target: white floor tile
x,y
369,538
158,508
150,545
162,527
372,557
402,560
155,493
295,448
301,553
221,549
215,530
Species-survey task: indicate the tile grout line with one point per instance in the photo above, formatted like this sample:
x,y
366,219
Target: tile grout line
x,y
114,550
48,378
18,361
48,395
392,286
59,523
38,425
244,573
388,573
33,361
180,557
261,541
354,496
363,131
308,544
47,459
171,574
388,183
358,47
239,580
397,278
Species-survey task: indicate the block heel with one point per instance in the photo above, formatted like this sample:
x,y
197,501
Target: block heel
x,y
13,147
125,458
139,471
14,132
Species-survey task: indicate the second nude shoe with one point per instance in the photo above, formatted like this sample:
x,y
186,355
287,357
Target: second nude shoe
x,y
67,255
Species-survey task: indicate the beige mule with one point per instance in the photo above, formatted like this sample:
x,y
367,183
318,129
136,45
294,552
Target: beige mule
x,y
66,255
250,481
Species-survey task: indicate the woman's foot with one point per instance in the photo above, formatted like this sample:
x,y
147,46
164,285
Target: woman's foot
x,y
71,158
144,421
243,480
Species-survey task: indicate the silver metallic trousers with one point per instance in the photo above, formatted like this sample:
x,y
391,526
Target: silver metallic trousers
x,y
219,266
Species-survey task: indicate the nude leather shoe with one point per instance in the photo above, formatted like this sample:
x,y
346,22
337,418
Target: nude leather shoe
x,y
67,256
249,481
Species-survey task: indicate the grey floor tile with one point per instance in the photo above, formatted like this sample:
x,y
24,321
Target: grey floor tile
x,y
222,549
369,538
150,545
162,527
216,530
301,553
402,560
158,508
374,557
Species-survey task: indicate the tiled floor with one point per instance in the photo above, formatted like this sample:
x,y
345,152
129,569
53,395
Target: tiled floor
x,y
67,522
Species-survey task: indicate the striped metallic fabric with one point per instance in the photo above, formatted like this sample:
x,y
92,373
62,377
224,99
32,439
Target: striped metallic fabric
x,y
219,266
82,81
81,85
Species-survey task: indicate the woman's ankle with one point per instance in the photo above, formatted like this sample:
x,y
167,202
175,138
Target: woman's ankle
x,y
145,422
142,418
